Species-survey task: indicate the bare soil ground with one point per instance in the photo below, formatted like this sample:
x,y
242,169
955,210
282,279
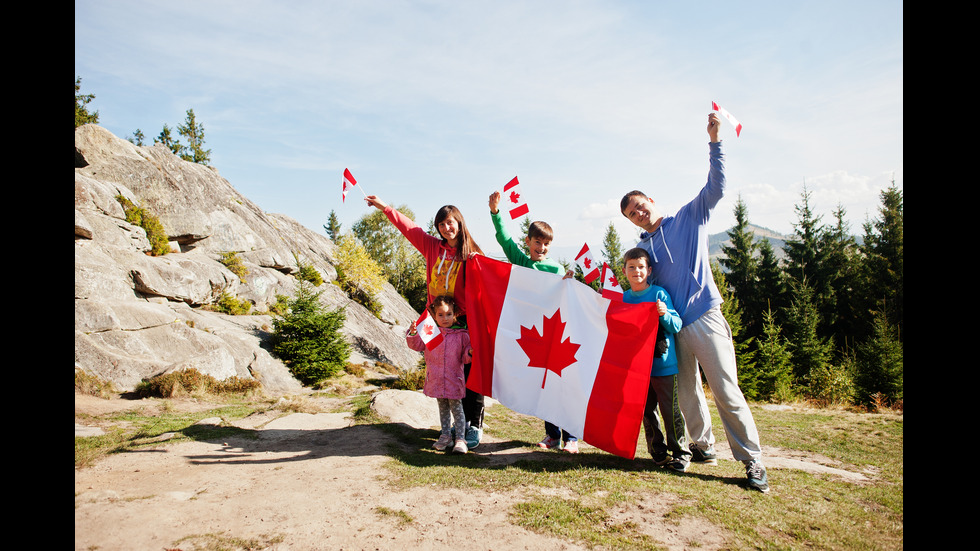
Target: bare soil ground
x,y
315,481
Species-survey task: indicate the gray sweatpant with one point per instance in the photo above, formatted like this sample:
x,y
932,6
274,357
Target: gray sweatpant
x,y
708,343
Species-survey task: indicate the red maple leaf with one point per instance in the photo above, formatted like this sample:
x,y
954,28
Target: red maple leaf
x,y
546,349
612,280
514,196
588,263
427,329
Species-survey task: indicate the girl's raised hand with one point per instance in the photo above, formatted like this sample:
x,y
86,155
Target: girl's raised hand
x,y
374,201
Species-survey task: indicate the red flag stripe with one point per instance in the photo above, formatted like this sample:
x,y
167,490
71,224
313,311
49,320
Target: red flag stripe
x,y
483,306
519,211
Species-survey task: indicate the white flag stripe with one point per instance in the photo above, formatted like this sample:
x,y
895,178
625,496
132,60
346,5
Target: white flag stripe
x,y
532,296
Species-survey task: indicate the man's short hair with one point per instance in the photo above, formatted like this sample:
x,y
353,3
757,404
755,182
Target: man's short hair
x,y
540,229
636,253
626,200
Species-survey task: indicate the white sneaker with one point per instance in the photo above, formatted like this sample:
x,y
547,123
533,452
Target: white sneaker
x,y
460,446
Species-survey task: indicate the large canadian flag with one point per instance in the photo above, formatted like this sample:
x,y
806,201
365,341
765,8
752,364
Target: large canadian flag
x,y
555,349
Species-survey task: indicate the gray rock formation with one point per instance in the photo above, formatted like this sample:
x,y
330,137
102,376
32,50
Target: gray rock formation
x,y
137,316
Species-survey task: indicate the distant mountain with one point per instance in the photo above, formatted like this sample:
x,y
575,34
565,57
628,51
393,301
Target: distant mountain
x,y
778,241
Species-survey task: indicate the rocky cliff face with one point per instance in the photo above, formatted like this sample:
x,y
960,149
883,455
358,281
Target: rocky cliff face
x,y
137,316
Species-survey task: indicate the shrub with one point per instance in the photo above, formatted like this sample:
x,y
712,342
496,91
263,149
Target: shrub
x,y
308,273
188,382
233,262
140,216
308,338
229,304
86,383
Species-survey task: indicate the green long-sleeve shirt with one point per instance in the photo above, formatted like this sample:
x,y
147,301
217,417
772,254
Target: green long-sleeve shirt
x,y
514,253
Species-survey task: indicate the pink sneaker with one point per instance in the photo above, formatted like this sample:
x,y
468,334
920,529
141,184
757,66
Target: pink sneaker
x,y
549,443
443,442
571,446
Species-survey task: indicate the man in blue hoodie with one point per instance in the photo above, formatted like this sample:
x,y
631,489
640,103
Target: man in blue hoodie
x,y
678,247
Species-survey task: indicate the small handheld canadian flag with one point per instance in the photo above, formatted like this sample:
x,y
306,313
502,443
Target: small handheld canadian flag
x,y
349,182
610,287
585,261
516,204
428,331
727,115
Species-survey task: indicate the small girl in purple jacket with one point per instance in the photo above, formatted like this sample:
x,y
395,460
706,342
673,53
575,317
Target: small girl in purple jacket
x,y
444,378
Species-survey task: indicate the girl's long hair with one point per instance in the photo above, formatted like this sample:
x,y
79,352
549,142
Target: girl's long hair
x,y
465,244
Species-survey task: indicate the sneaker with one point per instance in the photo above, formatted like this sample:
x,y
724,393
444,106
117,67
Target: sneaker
x,y
443,442
460,446
707,457
661,459
473,436
756,474
549,443
676,465
571,446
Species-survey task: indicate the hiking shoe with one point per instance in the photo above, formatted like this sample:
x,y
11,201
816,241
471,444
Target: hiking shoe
x,y
571,446
549,443
460,446
443,442
676,465
473,436
707,457
661,459
756,474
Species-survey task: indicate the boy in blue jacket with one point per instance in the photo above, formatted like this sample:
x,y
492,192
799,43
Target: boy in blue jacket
x,y
678,247
668,448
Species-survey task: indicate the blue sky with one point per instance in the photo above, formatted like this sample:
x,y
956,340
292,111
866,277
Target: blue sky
x,y
436,102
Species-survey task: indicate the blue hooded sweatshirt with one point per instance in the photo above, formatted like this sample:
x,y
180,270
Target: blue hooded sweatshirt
x,y
678,248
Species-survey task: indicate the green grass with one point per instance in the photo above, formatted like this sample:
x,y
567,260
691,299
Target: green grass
x,y
134,430
582,497
802,510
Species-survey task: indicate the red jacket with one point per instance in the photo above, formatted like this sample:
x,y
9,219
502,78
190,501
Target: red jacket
x,y
443,271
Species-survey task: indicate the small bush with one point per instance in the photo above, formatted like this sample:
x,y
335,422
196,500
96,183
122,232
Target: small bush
x,y
409,379
233,262
140,216
189,382
86,383
310,274
229,304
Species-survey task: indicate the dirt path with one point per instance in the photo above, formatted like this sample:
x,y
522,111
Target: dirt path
x,y
314,481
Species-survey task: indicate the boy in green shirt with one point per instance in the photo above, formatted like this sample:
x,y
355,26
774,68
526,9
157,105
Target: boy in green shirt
x,y
538,241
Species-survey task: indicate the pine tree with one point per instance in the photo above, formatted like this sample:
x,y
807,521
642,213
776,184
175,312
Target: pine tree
x,y
332,227
748,375
167,139
82,114
194,132
811,352
842,270
308,339
806,258
774,362
770,285
742,267
612,251
880,364
884,249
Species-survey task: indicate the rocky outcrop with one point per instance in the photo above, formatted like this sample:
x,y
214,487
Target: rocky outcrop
x,y
137,316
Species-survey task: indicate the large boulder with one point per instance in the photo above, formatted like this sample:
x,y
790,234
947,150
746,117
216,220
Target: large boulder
x,y
137,315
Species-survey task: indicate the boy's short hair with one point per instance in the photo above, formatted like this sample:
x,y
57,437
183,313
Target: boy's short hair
x,y
626,200
636,253
540,229
439,301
